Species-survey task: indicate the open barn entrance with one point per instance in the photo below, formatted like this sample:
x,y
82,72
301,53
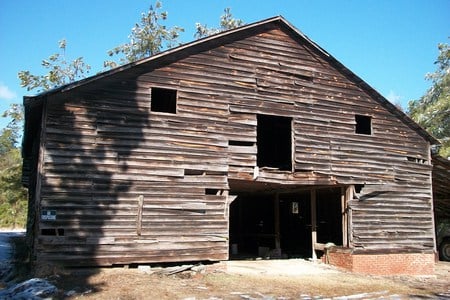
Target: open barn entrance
x,y
279,224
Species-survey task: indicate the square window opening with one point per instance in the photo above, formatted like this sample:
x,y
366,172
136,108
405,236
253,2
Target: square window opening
x,y
274,142
211,192
52,231
163,100
363,125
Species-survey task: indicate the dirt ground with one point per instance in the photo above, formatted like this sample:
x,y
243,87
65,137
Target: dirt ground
x,y
248,281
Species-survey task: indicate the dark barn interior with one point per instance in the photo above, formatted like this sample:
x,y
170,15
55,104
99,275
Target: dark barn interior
x,y
280,224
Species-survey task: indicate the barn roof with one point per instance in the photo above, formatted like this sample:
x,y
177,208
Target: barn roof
x,y
220,39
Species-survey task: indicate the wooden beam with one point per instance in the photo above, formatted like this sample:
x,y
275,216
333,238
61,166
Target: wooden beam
x,y
344,201
313,223
139,214
349,196
276,203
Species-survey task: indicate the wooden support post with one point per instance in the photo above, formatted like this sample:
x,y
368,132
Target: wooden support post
x,y
313,223
227,212
139,214
344,217
349,195
276,210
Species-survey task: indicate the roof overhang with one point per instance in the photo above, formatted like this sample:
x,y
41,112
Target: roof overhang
x,y
228,36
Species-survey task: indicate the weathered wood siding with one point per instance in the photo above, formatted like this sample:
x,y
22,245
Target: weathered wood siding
x,y
131,185
106,151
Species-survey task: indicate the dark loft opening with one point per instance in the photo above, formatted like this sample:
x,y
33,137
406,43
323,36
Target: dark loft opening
x,y
164,100
363,124
274,142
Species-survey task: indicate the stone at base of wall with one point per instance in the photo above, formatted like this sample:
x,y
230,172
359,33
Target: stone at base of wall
x,y
382,263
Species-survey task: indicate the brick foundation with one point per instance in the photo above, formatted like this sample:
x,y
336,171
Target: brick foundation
x,y
382,264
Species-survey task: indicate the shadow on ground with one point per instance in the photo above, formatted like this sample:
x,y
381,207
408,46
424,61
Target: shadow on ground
x,y
14,262
297,279
21,279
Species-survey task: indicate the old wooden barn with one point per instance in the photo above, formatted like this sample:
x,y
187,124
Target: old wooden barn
x,y
251,142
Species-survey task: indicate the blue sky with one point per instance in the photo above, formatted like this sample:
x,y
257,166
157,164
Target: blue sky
x,y
391,44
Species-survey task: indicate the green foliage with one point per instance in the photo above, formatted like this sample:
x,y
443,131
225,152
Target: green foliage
x,y
432,110
147,38
11,133
60,71
13,197
227,22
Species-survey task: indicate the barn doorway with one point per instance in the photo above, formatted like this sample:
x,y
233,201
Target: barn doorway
x,y
280,224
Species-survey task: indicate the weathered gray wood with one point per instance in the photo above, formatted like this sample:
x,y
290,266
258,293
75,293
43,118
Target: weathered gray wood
x,y
140,209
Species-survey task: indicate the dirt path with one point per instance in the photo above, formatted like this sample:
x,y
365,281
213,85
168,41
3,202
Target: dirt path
x,y
250,280
285,267
263,279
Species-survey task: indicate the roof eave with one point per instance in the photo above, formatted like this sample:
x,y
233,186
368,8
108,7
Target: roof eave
x,y
374,93
81,82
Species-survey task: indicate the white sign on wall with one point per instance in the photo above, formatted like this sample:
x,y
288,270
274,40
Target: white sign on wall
x,y
48,215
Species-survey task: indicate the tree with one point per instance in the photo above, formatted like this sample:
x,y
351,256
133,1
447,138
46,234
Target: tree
x,y
60,71
227,22
11,133
147,38
432,110
13,197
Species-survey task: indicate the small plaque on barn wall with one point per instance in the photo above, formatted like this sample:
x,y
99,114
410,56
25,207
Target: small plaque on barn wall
x,y
295,208
48,215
